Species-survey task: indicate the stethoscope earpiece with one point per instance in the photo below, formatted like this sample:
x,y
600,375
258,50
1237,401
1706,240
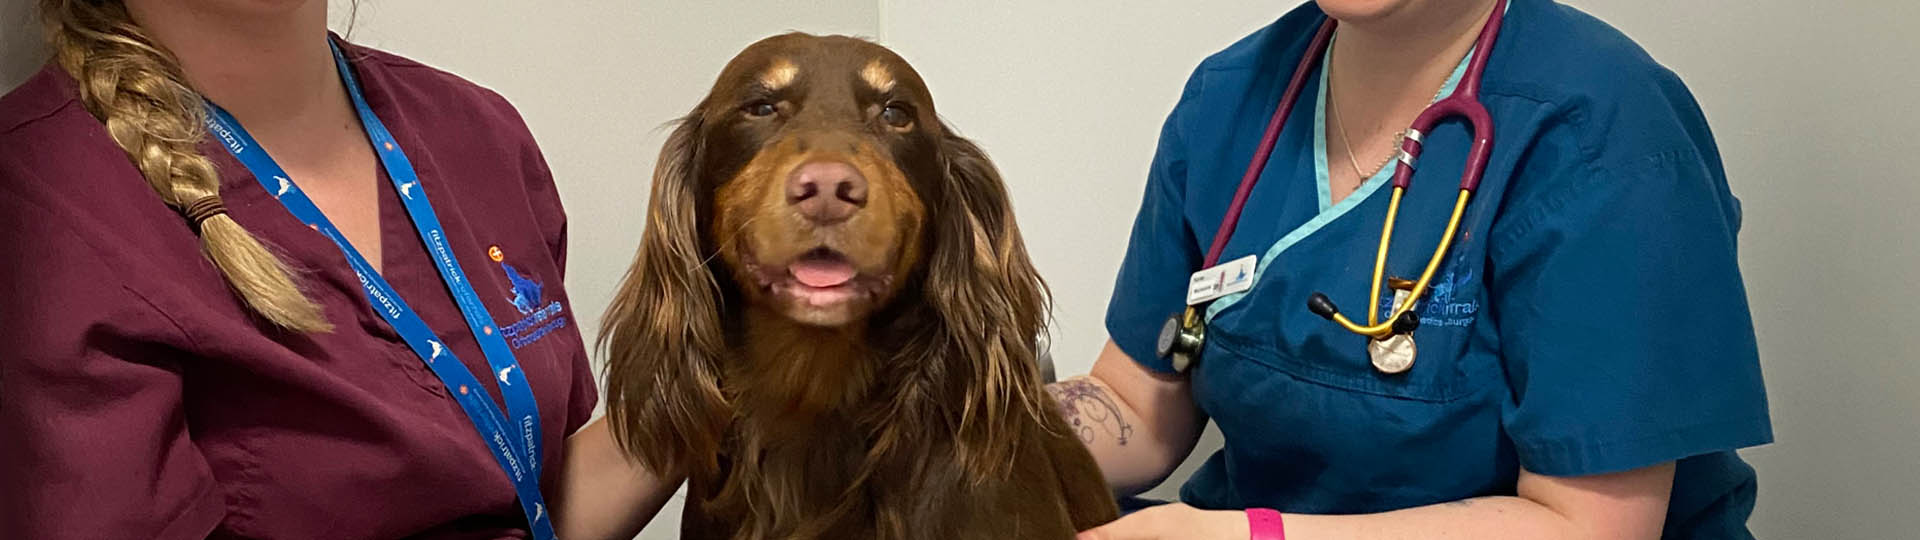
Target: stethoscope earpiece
x,y
1320,305
1406,324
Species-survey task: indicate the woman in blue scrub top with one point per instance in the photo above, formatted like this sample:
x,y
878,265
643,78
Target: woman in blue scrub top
x,y
1586,362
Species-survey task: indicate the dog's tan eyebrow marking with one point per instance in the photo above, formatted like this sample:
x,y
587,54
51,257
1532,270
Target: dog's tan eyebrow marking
x,y
878,76
780,74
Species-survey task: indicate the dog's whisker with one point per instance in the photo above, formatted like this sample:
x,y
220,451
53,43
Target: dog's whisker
x,y
727,241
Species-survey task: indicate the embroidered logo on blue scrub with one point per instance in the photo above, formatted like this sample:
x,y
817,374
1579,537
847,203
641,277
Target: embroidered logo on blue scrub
x,y
1449,302
524,293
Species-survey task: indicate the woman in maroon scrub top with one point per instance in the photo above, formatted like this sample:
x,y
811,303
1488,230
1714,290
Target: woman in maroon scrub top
x,y
184,358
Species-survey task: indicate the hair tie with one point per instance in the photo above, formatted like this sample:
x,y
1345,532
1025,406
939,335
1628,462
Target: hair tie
x,y
202,209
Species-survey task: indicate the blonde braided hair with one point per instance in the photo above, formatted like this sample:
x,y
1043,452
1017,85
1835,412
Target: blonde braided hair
x,y
137,89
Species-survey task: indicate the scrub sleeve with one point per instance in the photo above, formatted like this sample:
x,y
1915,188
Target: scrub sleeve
x,y
77,463
1164,250
1623,319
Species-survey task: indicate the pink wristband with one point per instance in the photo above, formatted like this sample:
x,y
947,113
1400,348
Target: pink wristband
x,y
1264,524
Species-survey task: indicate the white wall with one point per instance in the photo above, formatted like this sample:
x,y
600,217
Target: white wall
x,y
1809,100
20,49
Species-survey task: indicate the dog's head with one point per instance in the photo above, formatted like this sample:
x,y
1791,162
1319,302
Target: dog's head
x,y
821,157
816,182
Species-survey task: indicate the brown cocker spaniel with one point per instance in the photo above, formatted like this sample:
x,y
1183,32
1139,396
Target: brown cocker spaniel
x,y
830,325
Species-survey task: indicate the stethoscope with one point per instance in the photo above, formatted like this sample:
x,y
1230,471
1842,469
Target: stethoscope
x,y
1391,346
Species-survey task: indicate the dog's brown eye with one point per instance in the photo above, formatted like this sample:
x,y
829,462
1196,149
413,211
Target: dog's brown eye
x,y
759,109
897,116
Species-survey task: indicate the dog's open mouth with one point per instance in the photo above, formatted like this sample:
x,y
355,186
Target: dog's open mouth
x,y
819,278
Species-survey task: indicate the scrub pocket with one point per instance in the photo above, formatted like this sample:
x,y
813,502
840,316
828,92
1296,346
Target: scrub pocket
x,y
1337,436
1336,359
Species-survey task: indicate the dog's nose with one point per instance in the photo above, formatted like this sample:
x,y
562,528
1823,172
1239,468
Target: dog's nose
x,y
827,191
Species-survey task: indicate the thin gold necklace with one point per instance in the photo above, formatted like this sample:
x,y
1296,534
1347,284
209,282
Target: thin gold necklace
x,y
1340,122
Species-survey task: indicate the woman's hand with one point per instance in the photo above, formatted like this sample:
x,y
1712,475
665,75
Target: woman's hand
x,y
1170,521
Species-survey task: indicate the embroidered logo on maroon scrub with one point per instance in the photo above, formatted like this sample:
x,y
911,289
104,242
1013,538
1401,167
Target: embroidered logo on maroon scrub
x,y
537,318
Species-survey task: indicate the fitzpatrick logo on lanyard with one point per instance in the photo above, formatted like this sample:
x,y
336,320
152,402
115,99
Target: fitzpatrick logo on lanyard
x,y
513,437
538,319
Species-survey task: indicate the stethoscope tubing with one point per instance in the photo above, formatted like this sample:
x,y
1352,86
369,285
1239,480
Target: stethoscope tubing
x,y
1463,102
1271,137
1184,334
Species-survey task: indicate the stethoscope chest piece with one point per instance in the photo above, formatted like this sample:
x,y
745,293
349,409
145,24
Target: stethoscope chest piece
x,y
1181,338
1392,355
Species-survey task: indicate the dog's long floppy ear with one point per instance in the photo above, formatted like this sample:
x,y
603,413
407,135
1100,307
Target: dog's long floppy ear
x,y
662,335
992,305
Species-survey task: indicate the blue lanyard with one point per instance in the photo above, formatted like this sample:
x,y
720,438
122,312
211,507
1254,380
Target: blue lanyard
x,y
514,438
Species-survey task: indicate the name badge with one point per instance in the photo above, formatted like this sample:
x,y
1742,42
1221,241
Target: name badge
x,y
1221,280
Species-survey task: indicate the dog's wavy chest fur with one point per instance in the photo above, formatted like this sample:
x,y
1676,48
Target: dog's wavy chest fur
x,y
859,472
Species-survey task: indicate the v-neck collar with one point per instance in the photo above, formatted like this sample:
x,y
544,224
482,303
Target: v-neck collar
x,y
1323,175
1328,210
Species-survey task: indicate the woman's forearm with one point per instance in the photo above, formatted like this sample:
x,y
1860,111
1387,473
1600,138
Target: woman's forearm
x,y
1112,431
1138,425
1630,505
1619,506
602,493
1489,518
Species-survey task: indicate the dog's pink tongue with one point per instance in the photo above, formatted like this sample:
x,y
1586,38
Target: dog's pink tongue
x,y
822,272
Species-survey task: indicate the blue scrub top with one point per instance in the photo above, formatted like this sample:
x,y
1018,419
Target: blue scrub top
x,y
1590,317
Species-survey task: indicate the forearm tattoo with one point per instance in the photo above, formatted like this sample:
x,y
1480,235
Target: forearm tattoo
x,y
1090,411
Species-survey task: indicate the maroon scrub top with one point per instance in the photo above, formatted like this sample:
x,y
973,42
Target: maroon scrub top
x,y
140,399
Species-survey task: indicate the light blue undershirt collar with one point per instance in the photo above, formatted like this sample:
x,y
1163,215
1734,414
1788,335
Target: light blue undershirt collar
x,y
1329,211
